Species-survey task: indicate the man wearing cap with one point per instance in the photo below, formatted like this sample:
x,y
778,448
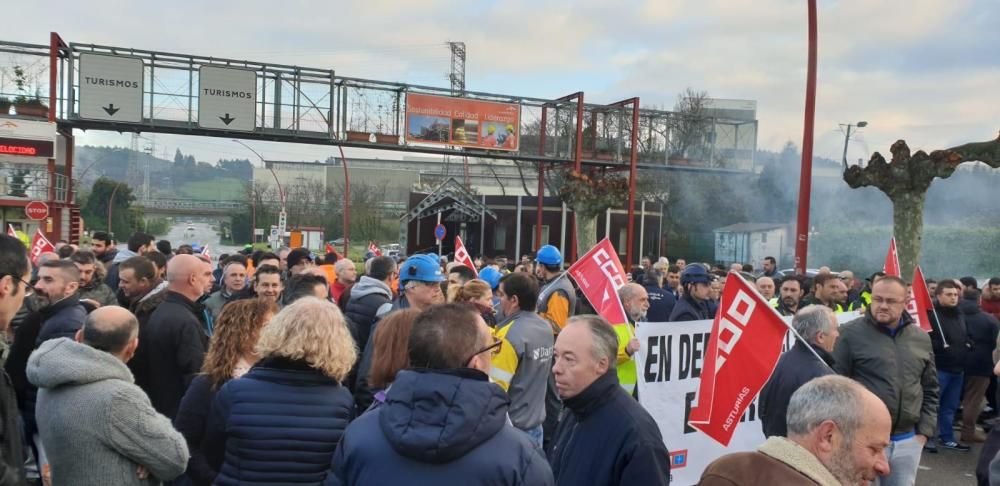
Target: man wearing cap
x,y
557,298
693,305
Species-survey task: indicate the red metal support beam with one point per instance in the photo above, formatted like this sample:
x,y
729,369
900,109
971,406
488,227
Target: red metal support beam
x,y
347,202
633,162
805,179
541,182
570,256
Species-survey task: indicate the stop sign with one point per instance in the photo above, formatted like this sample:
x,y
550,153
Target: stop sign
x,y
36,210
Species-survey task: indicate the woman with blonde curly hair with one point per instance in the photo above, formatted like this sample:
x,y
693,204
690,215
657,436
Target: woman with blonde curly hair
x,y
281,422
231,353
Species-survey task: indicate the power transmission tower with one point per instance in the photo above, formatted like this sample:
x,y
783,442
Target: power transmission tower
x,y
132,171
150,151
457,75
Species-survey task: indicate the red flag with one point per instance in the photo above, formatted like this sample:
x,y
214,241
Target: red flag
x,y
374,249
10,230
920,305
39,244
204,251
891,266
462,255
329,248
742,352
600,274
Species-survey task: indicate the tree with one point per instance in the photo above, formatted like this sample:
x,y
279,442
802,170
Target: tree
x,y
124,218
689,124
590,194
905,181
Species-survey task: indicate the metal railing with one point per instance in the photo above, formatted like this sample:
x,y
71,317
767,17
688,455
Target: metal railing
x,y
32,182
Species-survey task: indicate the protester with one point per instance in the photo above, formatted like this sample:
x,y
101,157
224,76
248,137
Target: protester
x,y
950,340
460,274
635,302
371,293
234,280
390,352
281,422
62,314
15,271
298,261
478,294
138,244
693,304
769,268
521,365
661,302
893,359
231,353
98,427
138,280
267,282
791,293
443,422
305,284
103,246
673,281
91,287
557,298
604,437
174,341
347,274
983,330
837,435
817,325
826,288
266,258
765,285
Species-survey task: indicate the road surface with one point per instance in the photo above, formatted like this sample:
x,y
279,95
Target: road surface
x,y
949,468
202,234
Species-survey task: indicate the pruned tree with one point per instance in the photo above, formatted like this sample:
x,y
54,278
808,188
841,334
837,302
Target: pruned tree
x,y
905,180
590,194
689,124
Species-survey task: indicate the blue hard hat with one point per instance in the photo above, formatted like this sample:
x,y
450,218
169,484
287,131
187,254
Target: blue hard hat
x,y
549,255
423,268
695,273
491,276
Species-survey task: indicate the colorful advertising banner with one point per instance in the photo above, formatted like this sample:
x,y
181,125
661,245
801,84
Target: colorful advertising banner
x,y
444,120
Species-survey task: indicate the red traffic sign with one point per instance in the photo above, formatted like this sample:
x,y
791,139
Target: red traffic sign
x,y
36,210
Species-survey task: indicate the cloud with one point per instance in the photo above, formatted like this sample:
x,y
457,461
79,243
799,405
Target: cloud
x,y
923,70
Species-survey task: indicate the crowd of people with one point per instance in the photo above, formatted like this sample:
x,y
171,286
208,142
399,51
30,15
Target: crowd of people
x,y
148,364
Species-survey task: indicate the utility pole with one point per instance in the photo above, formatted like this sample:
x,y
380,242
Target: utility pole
x,y
150,150
457,76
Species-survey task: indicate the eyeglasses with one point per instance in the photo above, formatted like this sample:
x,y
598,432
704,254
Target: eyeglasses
x,y
494,349
26,283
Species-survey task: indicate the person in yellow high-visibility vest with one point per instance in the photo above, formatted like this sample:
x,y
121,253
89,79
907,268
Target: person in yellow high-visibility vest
x,y
635,301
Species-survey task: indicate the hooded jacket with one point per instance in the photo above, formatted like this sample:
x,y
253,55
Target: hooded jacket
x,y
97,426
112,278
983,329
278,424
438,427
605,437
367,296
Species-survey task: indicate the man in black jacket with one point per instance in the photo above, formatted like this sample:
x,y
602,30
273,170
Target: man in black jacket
x,y
604,436
693,305
368,295
818,326
950,355
14,274
982,329
174,341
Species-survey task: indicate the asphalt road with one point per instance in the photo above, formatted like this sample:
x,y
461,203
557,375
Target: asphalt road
x,y
948,468
202,234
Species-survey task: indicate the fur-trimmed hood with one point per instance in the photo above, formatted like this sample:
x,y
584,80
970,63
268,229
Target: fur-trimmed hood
x,y
798,458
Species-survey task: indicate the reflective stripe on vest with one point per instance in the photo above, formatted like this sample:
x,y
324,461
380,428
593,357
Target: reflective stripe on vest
x,y
627,376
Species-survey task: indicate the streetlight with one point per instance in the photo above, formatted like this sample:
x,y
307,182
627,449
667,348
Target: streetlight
x,y
847,136
283,217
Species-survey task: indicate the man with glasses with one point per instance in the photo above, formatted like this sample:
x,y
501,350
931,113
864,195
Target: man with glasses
x,y
14,274
521,367
443,422
884,351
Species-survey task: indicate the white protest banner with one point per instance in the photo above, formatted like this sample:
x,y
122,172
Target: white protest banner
x,y
669,366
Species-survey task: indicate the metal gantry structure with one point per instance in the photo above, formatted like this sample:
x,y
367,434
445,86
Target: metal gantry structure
x,y
296,104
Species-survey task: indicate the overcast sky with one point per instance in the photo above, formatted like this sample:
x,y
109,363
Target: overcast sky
x,y
927,71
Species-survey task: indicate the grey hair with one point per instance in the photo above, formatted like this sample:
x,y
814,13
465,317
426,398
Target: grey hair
x,y
830,397
341,264
812,320
605,339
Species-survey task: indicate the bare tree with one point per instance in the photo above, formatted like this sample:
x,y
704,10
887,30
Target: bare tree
x,y
905,180
689,124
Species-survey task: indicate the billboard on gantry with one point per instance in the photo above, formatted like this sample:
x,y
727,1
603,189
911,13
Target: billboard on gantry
x,y
463,122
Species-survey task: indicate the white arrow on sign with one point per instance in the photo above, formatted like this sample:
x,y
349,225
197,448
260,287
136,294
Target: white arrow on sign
x,y
227,99
111,88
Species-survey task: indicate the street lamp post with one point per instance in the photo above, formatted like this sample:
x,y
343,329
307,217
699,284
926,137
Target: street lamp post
x,y
282,218
847,136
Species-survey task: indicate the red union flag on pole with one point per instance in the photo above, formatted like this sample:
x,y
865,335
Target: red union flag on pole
x,y
462,255
10,230
600,274
39,244
743,350
891,266
374,249
919,305
328,248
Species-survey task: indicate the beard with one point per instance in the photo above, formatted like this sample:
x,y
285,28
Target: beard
x,y
844,468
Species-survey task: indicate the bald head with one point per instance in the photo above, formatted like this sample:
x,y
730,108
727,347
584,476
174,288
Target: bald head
x,y
189,275
111,329
765,285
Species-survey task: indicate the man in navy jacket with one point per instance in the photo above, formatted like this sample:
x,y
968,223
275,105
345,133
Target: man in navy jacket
x,y
604,436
